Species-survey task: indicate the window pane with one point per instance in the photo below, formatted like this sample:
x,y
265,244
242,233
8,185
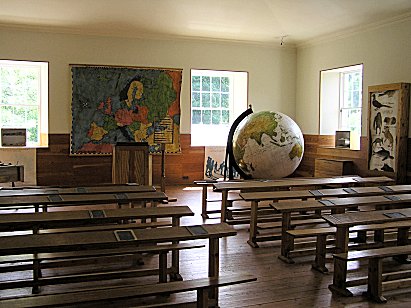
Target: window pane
x,y
356,99
216,117
196,117
216,100
195,83
206,83
195,99
19,85
225,102
215,81
205,98
225,117
206,117
225,84
351,120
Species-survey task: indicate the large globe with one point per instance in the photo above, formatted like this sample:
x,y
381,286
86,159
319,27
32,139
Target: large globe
x,y
268,145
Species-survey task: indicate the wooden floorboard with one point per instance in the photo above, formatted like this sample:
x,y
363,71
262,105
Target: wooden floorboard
x,y
278,284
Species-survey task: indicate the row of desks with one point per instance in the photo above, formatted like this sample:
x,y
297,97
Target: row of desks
x,y
344,221
285,184
101,238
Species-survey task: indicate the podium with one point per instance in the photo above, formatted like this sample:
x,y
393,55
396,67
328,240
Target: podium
x,y
130,163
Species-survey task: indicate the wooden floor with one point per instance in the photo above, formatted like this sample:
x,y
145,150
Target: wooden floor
x,y
278,284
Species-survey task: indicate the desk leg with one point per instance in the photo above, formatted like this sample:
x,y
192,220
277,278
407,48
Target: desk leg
x,y
162,260
252,241
204,202
224,198
340,267
213,266
36,275
402,239
287,242
374,290
175,256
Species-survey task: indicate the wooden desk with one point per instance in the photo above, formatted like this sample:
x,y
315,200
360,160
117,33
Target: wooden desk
x,y
48,220
343,222
335,205
287,184
115,188
275,196
78,199
15,245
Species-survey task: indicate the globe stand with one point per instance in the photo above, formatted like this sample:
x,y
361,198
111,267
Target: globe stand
x,y
230,162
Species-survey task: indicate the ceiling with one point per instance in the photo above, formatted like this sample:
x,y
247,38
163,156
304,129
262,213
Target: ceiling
x,y
257,21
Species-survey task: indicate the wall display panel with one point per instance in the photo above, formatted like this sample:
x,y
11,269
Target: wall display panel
x,y
388,129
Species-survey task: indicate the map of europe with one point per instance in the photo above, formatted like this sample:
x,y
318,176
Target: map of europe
x,y
121,104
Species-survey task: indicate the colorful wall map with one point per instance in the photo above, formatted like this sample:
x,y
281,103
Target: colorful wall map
x,y
124,104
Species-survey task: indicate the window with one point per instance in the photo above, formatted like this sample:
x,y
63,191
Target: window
x,y
341,102
24,99
217,99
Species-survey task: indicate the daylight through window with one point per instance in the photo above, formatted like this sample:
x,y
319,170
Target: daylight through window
x,y
24,99
217,99
341,102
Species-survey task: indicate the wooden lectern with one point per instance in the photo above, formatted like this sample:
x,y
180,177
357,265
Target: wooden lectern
x,y
130,163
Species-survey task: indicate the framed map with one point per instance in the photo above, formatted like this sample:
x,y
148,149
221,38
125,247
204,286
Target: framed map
x,y
123,104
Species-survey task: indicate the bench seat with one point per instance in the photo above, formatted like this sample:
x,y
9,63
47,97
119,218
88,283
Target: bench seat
x,y
201,285
60,259
321,239
375,269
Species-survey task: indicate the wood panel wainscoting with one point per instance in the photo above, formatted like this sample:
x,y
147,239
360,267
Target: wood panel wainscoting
x,y
56,167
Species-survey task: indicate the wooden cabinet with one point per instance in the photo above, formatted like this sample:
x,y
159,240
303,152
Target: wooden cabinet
x,y
325,167
388,110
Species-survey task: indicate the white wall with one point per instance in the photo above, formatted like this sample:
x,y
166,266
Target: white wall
x,y
385,52
272,70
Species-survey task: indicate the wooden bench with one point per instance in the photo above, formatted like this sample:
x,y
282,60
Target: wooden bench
x,y
321,240
202,286
375,268
55,260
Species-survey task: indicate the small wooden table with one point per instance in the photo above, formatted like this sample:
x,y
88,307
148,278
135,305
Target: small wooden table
x,y
343,222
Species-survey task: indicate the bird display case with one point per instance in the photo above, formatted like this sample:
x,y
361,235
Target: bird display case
x,y
388,129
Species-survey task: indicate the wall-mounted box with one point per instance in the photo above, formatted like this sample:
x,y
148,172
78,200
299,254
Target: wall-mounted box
x,y
13,137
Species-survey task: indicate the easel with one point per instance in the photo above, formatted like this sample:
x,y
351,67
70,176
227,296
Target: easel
x,y
164,134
